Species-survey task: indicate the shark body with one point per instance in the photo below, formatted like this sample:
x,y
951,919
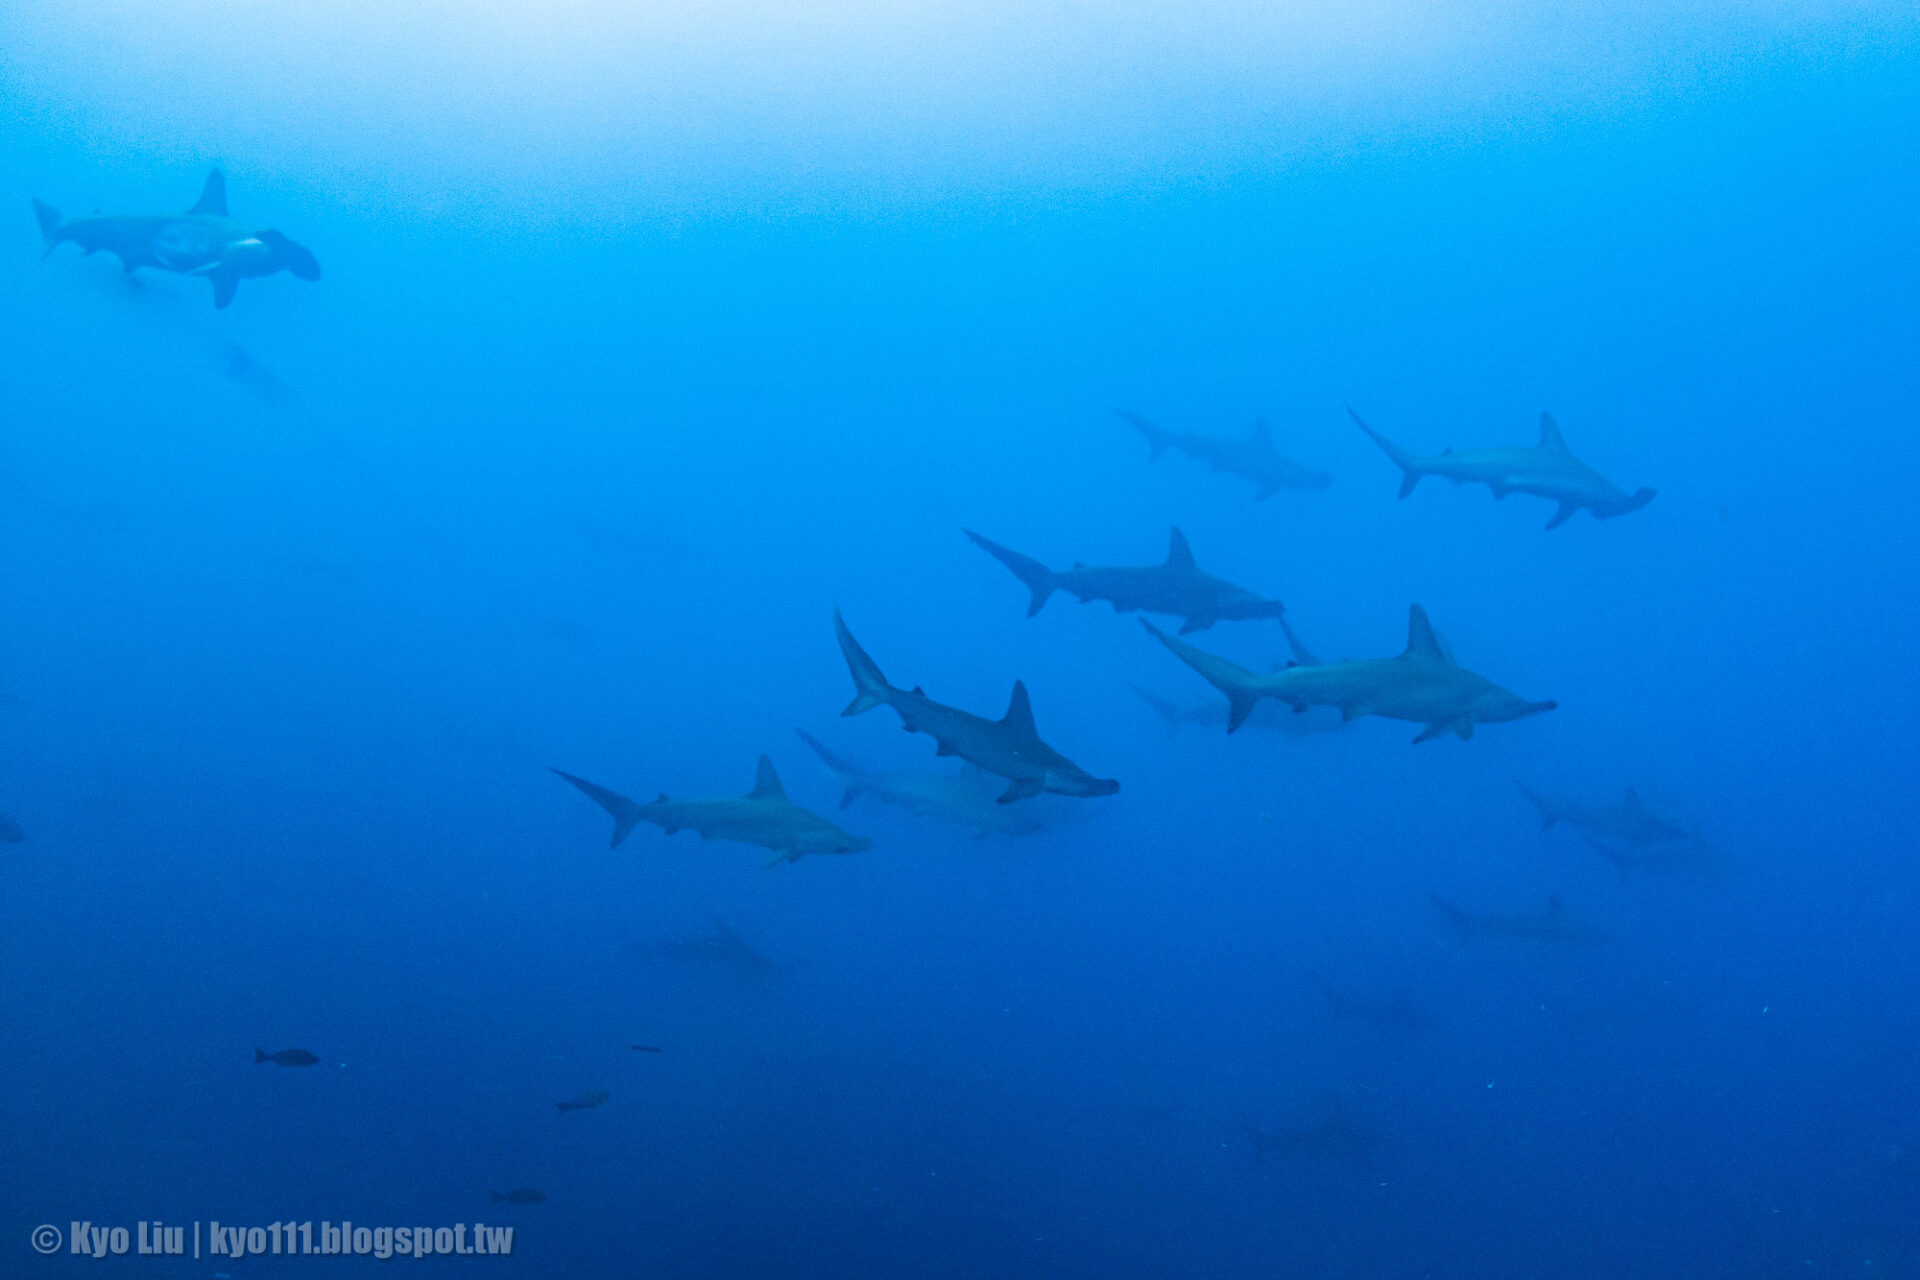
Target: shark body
x,y
1252,459
1422,685
721,948
1176,587
1009,746
763,817
1548,470
1555,927
1630,822
958,798
204,241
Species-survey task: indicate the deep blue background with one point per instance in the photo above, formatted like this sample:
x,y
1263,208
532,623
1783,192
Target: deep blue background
x,y
550,474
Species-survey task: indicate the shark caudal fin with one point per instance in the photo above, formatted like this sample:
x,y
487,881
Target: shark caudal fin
x,y
1228,678
1549,813
1158,437
853,779
1167,712
1039,579
870,685
625,813
289,256
53,227
1411,466
1459,919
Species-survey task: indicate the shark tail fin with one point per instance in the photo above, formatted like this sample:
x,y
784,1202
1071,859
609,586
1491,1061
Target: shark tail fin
x,y
870,685
1227,677
1039,579
1161,707
1409,462
53,227
625,813
1157,436
852,778
1548,814
1455,916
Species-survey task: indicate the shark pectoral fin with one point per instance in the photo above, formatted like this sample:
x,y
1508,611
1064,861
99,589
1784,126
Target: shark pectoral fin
x,y
1463,729
1022,789
1564,514
1349,712
1200,622
943,749
780,856
1431,731
225,284
1240,705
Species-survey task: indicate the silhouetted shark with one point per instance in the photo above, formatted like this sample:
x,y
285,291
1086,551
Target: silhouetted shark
x,y
959,798
1423,685
1630,822
1009,746
1254,459
202,242
1336,1137
764,817
1398,1012
1689,857
1177,587
1555,927
1548,470
721,947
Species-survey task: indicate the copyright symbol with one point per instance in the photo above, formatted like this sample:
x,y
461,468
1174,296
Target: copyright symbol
x,y
46,1238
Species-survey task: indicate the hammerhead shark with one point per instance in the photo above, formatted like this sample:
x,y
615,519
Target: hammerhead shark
x,y
1177,587
1555,927
1548,470
1423,685
1254,458
1335,1136
764,817
1009,746
204,241
960,798
1689,857
1265,715
1630,822
721,948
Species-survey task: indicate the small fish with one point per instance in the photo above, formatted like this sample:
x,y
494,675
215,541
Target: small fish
x,y
520,1195
285,1058
647,1048
591,1098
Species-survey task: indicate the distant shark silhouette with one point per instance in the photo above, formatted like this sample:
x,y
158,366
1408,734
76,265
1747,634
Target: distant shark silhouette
x,y
1423,685
1548,470
763,817
202,242
1252,459
721,948
1630,822
1336,1136
1009,746
962,798
1555,927
1398,1012
1176,587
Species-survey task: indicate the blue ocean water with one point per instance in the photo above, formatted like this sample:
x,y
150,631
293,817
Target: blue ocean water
x,y
646,340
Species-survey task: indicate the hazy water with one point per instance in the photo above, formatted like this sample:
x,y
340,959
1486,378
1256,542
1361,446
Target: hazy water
x,y
644,342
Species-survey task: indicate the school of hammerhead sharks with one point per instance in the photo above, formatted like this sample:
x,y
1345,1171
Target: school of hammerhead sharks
x,y
1422,685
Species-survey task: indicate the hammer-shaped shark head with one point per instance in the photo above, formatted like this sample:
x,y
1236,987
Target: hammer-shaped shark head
x,y
1078,782
1497,706
288,256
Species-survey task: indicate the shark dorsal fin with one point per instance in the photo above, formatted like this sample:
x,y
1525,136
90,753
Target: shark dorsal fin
x,y
918,690
661,798
766,783
1020,711
213,196
1551,440
1421,642
1179,554
1555,907
1262,436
